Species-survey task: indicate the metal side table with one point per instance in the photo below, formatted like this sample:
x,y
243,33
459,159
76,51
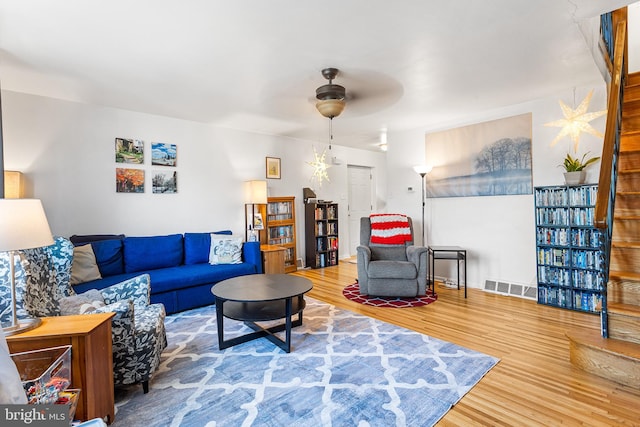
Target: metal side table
x,y
455,253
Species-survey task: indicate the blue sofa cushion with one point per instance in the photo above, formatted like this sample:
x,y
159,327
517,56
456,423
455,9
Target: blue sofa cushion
x,y
150,253
185,276
109,257
197,245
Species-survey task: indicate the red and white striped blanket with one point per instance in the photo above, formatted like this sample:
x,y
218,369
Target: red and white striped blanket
x,y
390,229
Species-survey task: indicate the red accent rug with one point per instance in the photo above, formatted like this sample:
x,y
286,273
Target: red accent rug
x,y
352,293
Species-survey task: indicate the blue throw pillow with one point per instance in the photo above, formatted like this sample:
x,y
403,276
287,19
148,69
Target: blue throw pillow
x,y
197,246
109,257
150,253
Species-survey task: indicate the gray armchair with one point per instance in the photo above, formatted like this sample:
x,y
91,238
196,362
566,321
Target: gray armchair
x,y
398,270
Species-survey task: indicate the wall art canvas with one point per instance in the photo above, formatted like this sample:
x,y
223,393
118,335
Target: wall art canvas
x,y
164,154
273,167
485,159
164,182
129,180
129,151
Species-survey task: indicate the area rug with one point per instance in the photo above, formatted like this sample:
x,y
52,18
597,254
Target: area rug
x,y
352,292
345,369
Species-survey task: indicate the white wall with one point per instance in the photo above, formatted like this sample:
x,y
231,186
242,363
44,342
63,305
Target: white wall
x,y
498,232
66,151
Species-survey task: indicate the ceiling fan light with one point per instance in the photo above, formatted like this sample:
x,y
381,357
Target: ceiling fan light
x,y
330,108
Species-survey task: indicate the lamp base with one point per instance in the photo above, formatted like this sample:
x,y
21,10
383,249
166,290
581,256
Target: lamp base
x,y
22,326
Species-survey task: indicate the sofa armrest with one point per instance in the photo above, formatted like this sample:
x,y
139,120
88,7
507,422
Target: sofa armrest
x,y
417,255
122,328
251,254
137,289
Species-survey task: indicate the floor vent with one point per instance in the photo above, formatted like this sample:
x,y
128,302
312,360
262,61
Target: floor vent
x,y
512,289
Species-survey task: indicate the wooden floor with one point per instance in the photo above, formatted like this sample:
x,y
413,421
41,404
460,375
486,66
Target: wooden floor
x,y
534,383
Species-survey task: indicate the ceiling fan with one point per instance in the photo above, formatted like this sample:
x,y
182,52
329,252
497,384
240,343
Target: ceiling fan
x,y
331,97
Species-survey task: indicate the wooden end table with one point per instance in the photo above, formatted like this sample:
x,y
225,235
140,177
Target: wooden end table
x,y
272,259
91,357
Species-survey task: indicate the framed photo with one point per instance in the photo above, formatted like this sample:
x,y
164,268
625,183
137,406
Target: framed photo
x,y
129,151
129,180
273,167
164,182
496,159
164,154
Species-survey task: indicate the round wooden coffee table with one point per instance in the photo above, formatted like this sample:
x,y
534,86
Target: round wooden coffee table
x,y
259,298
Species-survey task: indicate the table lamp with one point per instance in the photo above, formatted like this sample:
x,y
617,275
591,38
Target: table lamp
x,y
23,225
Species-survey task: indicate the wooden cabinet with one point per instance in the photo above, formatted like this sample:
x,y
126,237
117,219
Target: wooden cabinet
x,y
321,234
272,259
91,357
280,228
568,248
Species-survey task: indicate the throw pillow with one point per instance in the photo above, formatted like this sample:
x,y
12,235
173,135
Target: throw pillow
x,y
84,267
87,302
225,250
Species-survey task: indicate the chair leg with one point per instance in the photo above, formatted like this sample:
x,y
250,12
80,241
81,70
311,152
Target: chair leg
x,y
145,387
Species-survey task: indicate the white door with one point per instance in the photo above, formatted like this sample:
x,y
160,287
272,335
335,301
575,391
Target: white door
x,y
360,201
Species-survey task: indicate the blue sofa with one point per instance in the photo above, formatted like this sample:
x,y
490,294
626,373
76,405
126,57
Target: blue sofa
x,y
181,276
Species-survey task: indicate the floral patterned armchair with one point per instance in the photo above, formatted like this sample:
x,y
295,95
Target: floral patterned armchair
x,y
43,285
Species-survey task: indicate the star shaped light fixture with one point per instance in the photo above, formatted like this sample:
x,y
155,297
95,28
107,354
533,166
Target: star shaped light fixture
x,y
319,167
576,121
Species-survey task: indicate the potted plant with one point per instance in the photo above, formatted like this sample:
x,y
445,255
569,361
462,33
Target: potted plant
x,y
574,168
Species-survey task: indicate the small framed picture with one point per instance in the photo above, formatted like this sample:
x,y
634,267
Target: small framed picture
x,y
273,167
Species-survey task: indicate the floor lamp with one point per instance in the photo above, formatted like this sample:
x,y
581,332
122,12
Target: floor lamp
x,y
23,225
255,193
423,170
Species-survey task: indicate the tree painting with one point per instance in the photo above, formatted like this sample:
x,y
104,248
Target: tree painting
x,y
485,159
165,182
129,180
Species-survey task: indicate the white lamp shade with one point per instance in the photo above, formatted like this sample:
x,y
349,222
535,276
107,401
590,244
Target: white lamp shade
x,y
13,185
255,192
23,225
422,169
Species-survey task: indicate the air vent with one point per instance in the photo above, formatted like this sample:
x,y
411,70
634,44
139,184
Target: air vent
x,y
512,289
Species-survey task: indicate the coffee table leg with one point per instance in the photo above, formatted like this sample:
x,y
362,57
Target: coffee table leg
x,y
220,322
288,326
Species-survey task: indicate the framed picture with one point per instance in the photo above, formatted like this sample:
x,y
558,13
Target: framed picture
x,y
129,180
129,151
164,154
485,159
273,167
164,182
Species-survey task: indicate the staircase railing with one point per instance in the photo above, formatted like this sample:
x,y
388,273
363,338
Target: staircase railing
x,y
613,29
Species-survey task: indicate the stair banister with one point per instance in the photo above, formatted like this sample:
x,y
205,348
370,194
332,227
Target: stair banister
x,y
605,201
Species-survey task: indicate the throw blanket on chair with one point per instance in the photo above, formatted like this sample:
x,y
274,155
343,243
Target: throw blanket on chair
x,y
390,229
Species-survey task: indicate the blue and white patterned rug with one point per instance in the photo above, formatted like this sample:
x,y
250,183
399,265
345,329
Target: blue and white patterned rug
x,y
345,369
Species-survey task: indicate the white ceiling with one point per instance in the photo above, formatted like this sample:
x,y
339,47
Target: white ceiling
x,y
255,64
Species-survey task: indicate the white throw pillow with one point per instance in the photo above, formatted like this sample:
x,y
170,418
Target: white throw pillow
x,y
84,267
87,302
225,249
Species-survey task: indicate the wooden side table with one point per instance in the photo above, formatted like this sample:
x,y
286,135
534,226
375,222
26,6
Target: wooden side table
x,y
91,357
272,259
